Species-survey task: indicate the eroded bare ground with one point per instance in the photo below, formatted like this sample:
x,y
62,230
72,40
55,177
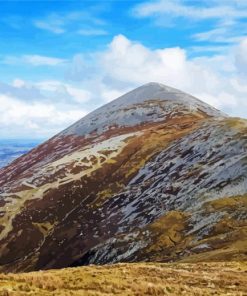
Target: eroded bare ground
x,y
132,279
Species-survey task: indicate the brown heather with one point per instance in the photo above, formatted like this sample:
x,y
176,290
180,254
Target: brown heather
x,y
131,279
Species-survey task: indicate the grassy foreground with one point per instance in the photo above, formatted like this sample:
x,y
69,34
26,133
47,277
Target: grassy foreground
x,y
131,279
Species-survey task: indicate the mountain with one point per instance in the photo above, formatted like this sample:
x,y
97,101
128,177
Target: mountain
x,y
155,175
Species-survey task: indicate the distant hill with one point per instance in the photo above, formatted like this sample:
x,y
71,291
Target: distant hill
x,y
12,149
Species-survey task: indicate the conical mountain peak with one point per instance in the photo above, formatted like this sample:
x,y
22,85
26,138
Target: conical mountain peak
x,y
151,102
158,87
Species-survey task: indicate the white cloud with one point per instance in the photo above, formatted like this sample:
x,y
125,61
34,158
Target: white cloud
x,y
218,35
176,8
131,62
241,57
64,90
44,108
225,32
18,83
24,113
54,26
34,120
60,23
226,17
34,60
37,60
127,64
92,32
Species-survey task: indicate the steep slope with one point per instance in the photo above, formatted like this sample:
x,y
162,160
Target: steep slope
x,y
154,175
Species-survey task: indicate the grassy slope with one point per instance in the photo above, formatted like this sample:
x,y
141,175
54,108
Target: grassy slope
x,y
131,279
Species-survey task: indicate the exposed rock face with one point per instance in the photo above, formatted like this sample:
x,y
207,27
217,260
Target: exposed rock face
x,y
154,175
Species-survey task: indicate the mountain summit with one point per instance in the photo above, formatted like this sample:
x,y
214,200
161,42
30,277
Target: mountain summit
x,y
154,175
152,102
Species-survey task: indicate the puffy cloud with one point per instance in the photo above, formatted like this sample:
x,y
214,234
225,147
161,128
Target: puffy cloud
x,y
132,63
25,114
128,61
217,80
43,108
35,119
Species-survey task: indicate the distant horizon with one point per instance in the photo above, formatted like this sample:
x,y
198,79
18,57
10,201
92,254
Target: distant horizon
x,y
22,139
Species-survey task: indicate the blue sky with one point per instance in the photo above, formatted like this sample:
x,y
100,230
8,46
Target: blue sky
x,y
61,59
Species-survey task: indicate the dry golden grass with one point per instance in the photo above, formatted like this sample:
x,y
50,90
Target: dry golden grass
x,y
131,279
